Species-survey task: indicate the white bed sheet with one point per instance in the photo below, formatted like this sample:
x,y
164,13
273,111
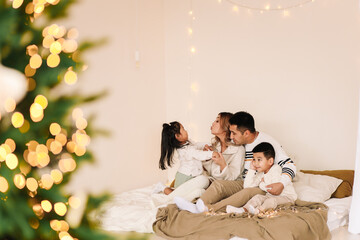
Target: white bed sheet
x,y
135,211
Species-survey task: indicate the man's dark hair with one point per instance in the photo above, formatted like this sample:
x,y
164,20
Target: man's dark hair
x,y
244,121
266,148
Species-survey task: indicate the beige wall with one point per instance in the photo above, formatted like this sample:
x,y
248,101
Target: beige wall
x,y
297,75
135,106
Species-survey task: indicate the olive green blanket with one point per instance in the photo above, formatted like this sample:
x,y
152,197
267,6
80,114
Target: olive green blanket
x,y
304,220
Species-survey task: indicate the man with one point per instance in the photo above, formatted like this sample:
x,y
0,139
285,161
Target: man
x,y
222,192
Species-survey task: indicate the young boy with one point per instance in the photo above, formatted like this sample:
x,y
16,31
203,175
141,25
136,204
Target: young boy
x,y
263,172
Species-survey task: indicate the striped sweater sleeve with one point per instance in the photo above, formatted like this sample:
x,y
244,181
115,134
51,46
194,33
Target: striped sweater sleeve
x,y
288,171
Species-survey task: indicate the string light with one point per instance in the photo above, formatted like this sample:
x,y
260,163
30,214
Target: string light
x,y
238,3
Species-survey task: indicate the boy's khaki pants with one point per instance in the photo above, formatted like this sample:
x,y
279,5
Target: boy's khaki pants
x,y
225,192
264,202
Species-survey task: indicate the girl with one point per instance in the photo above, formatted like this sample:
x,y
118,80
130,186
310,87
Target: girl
x,y
175,137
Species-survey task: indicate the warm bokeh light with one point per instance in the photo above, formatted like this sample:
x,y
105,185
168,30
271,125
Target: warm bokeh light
x,y
64,226
74,202
32,159
41,148
29,9
31,84
32,145
19,181
29,72
73,33
41,100
55,129
55,225
3,153
7,148
32,184
82,139
38,210
25,127
70,46
56,147
47,181
67,165
36,110
70,146
43,159
77,113
11,143
31,50
11,161
10,105
61,33
46,205
35,61
55,47
24,168
4,185
53,29
65,236
80,150
47,41
57,176
53,60
61,138
81,123
17,120
17,3
70,77
39,8
34,223
60,208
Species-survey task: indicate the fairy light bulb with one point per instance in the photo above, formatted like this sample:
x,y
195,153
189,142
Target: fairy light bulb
x,y
46,205
32,184
60,208
17,120
19,181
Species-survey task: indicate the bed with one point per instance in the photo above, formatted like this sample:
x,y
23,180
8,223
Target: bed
x,y
135,210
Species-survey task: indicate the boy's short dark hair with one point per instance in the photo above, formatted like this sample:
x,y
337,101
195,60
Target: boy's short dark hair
x,y
244,121
266,148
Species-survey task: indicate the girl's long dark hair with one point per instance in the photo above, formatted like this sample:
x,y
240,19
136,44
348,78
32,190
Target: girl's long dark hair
x,y
168,143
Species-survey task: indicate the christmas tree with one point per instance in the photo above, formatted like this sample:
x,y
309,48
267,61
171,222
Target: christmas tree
x,y
43,134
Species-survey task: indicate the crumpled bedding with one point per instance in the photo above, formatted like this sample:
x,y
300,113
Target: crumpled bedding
x,y
304,220
130,211
135,211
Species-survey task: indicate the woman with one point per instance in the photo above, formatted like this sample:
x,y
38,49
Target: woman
x,y
226,166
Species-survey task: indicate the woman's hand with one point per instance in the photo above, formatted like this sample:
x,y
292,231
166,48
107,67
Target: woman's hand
x,y
218,159
208,148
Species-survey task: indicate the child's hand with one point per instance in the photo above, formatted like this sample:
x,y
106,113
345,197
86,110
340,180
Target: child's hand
x,y
208,148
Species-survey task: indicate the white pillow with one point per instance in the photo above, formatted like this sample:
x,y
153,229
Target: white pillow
x,y
315,188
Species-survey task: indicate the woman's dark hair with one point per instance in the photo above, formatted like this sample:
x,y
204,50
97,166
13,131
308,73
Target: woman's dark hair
x,y
243,121
266,148
169,143
225,125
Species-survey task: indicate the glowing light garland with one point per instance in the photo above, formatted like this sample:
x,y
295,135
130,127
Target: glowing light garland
x,y
268,7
